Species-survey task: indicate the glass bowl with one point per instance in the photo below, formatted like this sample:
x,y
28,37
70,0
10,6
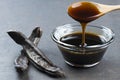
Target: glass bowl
x,y
78,56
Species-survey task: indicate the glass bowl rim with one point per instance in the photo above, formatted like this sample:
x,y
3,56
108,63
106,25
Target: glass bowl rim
x,y
86,47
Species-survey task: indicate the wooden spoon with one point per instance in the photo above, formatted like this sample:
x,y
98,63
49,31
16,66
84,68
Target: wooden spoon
x,y
86,11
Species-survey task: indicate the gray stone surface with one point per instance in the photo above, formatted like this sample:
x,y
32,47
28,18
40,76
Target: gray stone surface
x,y
24,15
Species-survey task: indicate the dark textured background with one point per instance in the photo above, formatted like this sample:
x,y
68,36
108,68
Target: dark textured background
x,y
24,15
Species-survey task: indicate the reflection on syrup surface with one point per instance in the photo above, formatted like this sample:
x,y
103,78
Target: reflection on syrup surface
x,y
75,39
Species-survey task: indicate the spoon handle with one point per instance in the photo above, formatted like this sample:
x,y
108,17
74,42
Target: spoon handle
x,y
115,7
108,8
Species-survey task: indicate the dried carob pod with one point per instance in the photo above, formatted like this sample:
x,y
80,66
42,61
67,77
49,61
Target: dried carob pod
x,y
39,59
21,62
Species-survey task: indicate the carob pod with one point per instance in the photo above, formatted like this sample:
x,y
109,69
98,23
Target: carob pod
x,y
39,60
21,62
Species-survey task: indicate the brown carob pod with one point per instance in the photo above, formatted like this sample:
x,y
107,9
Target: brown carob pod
x,y
34,54
21,62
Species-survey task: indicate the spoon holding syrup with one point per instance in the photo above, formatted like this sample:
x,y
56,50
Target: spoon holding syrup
x,y
86,11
